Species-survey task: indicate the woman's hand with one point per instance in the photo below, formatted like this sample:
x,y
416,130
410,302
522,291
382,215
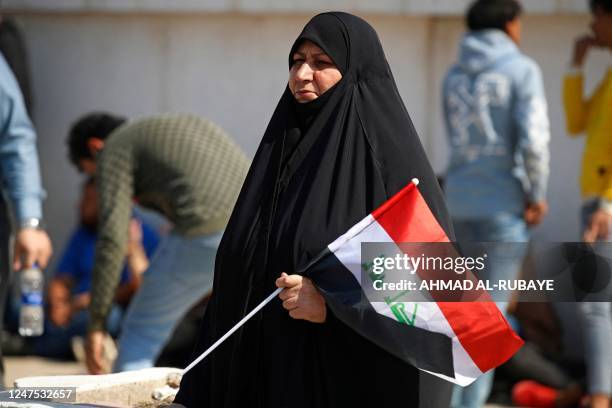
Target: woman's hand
x,y
301,298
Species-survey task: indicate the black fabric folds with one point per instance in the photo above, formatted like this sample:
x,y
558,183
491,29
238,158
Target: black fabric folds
x,y
309,182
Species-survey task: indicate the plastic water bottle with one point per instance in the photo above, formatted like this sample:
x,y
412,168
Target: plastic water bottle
x,y
31,316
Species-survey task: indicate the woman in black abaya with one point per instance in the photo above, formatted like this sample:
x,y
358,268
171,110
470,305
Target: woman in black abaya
x,y
339,144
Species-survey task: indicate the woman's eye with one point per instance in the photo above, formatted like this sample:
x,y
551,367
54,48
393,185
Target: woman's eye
x,y
298,61
323,63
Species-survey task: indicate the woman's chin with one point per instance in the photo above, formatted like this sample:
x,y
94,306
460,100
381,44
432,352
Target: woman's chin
x,y
305,98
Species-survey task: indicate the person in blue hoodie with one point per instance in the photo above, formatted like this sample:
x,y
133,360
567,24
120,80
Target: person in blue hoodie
x,y
498,130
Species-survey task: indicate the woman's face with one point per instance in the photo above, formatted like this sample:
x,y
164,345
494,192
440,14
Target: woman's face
x,y
312,73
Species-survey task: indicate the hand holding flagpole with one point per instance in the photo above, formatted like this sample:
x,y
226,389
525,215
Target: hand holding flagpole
x,y
267,300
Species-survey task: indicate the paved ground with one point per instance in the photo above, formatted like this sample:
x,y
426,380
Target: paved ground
x,y
17,367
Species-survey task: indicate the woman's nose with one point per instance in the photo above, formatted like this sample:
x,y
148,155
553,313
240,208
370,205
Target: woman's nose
x,y
304,73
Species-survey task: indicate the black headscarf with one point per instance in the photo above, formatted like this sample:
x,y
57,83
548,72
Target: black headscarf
x,y
310,181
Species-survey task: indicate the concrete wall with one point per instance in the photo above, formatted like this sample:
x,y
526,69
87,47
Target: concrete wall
x,y
391,7
231,67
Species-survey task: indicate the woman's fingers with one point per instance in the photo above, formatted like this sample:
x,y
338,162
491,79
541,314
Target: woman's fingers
x,y
289,292
291,303
296,314
287,281
301,299
292,285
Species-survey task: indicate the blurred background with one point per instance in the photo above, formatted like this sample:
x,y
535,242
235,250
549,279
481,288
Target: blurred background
x,y
227,60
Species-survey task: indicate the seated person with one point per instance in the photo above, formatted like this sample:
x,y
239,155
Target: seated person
x,y
68,292
548,371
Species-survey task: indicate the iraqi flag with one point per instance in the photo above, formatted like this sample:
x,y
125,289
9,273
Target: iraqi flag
x,y
457,341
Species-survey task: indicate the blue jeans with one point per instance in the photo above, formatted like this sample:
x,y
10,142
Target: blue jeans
x,y
505,263
179,275
596,323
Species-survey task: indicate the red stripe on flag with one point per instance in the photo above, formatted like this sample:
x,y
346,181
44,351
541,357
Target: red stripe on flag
x,y
406,217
